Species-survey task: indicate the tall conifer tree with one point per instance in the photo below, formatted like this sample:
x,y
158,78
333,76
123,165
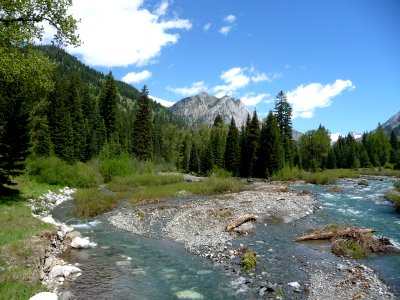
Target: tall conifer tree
x,y
108,106
142,128
232,149
283,113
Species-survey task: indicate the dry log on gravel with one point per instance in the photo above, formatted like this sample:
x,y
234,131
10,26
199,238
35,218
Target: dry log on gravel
x,y
329,234
239,221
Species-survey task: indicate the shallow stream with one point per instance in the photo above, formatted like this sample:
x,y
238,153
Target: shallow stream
x,y
128,266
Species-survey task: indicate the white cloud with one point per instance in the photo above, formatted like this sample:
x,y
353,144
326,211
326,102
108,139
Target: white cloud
x,y
252,99
306,98
335,137
230,19
162,8
133,77
162,101
194,89
207,26
225,30
123,32
260,77
235,79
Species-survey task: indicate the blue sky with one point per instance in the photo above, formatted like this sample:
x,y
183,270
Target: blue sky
x,y
338,61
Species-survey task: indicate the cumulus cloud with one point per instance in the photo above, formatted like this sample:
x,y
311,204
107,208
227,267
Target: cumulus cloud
x,y
123,32
252,99
235,79
306,98
207,26
230,19
225,30
134,77
194,89
260,77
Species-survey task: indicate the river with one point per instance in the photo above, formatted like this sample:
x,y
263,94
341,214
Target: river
x,y
128,266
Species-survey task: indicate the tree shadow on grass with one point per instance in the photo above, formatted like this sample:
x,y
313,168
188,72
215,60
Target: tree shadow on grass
x,y
10,196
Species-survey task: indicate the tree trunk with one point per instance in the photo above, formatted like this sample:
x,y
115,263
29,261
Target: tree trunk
x,y
239,221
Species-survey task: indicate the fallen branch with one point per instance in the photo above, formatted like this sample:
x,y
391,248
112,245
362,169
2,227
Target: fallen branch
x,y
239,221
329,234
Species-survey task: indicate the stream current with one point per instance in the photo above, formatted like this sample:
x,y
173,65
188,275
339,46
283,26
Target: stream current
x,y
128,266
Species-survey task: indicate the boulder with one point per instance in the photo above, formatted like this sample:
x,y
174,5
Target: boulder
x,y
44,296
63,271
82,243
72,235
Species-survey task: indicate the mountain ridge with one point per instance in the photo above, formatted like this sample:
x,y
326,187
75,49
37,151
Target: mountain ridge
x,y
204,108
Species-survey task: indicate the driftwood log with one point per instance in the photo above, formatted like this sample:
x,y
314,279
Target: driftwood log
x,y
239,221
327,235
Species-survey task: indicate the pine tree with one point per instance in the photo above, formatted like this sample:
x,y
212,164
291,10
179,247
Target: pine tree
x,y
40,140
253,143
217,142
270,154
244,149
232,149
142,128
331,160
108,106
283,113
194,165
394,143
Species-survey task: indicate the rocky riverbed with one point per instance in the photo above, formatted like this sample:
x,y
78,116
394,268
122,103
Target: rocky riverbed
x,y
199,225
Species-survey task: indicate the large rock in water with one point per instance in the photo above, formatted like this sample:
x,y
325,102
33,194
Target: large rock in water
x,y
203,108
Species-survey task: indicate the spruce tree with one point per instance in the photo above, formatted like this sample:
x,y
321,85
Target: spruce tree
x,y
244,149
194,165
40,140
331,160
108,106
217,141
142,128
253,142
283,113
270,154
232,149
394,143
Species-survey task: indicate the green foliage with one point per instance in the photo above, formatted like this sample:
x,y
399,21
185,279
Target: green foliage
x,y
142,128
194,163
92,202
108,107
248,260
314,147
397,185
54,171
278,294
363,183
350,248
232,149
283,113
271,157
131,182
394,197
218,141
118,166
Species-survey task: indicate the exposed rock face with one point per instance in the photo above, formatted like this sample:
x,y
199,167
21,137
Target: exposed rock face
x,y
203,108
393,124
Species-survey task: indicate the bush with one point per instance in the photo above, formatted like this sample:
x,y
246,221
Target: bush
x,y
112,167
125,183
54,171
348,248
394,197
363,183
397,185
92,202
248,259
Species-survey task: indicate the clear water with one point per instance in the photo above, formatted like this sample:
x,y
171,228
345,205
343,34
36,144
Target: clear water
x,y
127,266
363,207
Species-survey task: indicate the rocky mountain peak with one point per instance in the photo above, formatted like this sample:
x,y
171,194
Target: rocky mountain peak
x,y
203,108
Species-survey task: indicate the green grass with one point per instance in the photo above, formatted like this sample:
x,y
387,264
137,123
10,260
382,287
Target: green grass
x,y
248,260
330,176
350,248
212,185
19,244
394,197
128,183
92,202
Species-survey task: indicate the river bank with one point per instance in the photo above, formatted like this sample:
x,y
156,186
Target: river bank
x,y
200,227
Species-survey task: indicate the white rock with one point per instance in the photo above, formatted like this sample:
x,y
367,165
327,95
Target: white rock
x,y
80,243
63,271
44,296
188,294
294,284
49,220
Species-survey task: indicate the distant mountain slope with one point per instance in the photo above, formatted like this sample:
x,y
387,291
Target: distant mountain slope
x,y
393,124
68,64
203,108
